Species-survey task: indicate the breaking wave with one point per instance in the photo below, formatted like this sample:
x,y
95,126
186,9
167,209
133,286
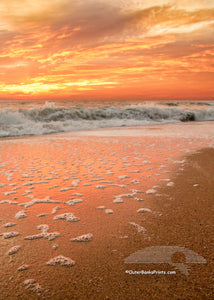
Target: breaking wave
x,y
51,119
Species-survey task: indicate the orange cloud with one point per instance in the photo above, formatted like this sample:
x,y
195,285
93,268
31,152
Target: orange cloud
x,y
106,49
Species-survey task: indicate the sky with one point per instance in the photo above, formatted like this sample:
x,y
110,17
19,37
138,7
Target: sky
x,y
115,49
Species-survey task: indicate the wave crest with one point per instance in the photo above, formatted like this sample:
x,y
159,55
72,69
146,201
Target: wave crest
x,y
49,118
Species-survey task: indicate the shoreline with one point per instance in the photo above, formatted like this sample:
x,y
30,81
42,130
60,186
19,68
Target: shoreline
x,y
177,129
98,170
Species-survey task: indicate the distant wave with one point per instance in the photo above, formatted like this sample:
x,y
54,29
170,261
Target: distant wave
x,y
50,119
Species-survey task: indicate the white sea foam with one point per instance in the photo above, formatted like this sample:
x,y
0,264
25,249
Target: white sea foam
x,y
21,214
166,179
138,199
83,238
8,235
43,227
150,191
55,209
29,281
55,246
123,176
73,202
8,225
34,236
9,193
8,202
34,182
170,183
66,189
125,237
179,161
118,200
101,207
45,234
14,250
51,235
135,181
23,268
67,216
55,119
38,201
118,185
139,228
125,195
34,286
42,215
61,260
75,182
144,210
100,186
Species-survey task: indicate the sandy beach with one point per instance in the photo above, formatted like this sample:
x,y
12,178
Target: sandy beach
x,y
75,206
106,150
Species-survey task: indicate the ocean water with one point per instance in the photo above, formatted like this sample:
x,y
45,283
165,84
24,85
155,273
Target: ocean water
x,y
18,118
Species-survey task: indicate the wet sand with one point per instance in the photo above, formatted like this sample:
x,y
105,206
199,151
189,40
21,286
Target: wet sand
x,y
160,191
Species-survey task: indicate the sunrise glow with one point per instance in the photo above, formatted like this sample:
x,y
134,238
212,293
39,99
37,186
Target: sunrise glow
x,y
116,49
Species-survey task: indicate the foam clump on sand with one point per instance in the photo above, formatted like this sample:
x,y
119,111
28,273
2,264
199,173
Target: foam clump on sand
x,y
21,214
8,202
61,260
55,209
38,201
34,237
67,216
45,234
100,186
14,249
51,235
139,228
135,181
77,194
83,238
126,195
139,199
9,225
32,285
101,207
150,191
23,268
123,176
75,182
9,193
34,182
65,189
170,183
118,185
73,202
55,246
109,211
43,227
144,210
42,215
8,235
179,161
118,200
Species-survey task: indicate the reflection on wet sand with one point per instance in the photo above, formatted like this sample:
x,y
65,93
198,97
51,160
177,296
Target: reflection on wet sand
x,y
86,200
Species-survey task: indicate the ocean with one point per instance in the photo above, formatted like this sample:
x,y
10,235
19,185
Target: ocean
x,y
84,185
19,118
